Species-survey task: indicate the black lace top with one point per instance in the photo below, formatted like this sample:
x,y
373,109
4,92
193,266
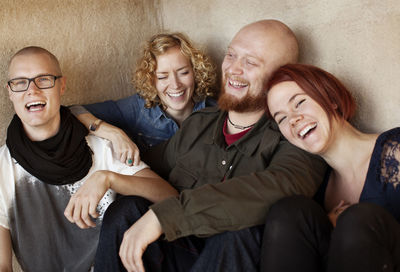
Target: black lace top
x,y
382,185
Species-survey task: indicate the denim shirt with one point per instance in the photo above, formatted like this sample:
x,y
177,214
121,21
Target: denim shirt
x,y
145,126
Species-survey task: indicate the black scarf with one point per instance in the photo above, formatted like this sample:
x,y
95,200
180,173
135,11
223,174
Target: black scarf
x,y
61,159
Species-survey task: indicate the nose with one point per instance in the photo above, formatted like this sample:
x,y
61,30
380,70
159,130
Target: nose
x,y
174,81
294,118
32,88
236,67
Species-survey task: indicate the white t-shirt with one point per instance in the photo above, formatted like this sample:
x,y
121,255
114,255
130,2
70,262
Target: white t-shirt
x,y
43,239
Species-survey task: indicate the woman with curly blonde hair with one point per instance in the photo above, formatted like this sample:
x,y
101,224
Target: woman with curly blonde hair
x,y
172,79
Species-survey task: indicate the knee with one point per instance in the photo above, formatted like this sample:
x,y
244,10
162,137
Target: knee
x,y
289,208
126,208
290,213
360,222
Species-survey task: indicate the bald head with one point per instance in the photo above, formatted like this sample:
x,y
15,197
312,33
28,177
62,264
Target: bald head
x,y
278,42
35,50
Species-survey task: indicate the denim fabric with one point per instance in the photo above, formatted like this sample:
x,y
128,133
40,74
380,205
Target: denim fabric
x,y
229,251
145,126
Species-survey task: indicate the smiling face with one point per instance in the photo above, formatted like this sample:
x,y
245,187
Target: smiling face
x,y
301,120
175,82
252,56
38,109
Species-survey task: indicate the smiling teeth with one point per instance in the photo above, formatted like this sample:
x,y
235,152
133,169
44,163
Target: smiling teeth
x,y
237,84
176,94
35,104
305,130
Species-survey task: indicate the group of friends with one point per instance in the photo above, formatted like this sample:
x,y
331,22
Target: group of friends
x,y
267,174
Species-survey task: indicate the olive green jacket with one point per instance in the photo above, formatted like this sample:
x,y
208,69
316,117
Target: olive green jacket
x,y
227,188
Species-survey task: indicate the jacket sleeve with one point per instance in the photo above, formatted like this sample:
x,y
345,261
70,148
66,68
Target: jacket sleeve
x,y
242,201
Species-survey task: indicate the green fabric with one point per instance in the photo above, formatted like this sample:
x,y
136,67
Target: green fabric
x,y
259,169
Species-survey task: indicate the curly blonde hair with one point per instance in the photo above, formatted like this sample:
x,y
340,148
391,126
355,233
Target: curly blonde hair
x,y
145,74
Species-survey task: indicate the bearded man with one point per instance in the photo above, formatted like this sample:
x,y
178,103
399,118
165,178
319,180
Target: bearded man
x,y
229,164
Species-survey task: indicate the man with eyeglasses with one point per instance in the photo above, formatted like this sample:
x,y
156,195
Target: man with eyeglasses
x,y
54,174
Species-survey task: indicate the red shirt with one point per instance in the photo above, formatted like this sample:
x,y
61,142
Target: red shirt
x,y
231,138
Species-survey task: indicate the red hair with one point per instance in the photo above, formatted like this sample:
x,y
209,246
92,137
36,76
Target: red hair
x,y
320,85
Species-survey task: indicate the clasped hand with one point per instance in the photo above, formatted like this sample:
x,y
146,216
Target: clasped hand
x,y
82,206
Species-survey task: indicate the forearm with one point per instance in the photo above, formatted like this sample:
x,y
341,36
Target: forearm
x,y
5,250
144,183
241,201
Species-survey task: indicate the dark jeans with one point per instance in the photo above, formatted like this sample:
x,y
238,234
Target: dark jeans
x,y
228,251
299,237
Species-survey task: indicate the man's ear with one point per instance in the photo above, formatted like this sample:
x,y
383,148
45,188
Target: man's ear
x,y
63,83
9,92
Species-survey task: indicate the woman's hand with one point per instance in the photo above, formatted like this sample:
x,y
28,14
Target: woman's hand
x,y
124,148
336,211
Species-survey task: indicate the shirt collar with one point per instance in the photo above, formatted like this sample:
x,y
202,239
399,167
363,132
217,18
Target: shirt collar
x,y
244,145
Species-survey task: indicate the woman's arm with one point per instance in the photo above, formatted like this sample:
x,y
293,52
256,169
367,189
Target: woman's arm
x,y
124,148
5,250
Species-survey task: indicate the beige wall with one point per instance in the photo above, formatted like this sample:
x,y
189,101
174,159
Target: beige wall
x,y
357,40
96,42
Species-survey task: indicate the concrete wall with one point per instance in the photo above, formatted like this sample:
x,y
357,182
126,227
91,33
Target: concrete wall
x,y
96,41
356,40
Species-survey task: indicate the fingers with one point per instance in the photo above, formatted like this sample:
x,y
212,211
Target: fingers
x,y
123,157
136,158
78,213
130,157
131,257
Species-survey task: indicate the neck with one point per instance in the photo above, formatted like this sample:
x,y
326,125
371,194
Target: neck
x,y
42,133
239,121
180,115
350,150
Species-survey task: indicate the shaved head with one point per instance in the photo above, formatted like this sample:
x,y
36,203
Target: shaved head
x,y
35,50
272,35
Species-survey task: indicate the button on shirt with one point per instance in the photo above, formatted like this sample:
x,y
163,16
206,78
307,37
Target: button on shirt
x,y
257,170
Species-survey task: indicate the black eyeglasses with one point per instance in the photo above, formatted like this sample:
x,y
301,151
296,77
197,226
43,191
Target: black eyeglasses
x,y
21,84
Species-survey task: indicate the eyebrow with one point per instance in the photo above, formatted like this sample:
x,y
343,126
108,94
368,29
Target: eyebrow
x,y
247,55
290,100
179,69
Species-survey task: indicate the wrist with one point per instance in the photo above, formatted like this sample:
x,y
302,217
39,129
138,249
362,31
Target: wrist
x,y
95,125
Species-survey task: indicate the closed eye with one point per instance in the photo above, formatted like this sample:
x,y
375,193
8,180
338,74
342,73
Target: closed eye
x,y
299,103
280,120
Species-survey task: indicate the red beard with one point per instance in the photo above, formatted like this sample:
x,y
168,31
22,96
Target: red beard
x,y
247,103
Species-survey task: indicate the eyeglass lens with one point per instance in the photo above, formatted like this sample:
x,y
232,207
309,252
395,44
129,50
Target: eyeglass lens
x,y
42,82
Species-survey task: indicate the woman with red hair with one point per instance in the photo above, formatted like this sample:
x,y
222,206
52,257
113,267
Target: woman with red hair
x,y
353,222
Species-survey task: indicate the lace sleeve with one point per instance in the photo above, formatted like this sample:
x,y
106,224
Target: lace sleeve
x,y
390,162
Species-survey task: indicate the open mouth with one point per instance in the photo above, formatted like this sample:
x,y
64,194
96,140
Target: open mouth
x,y
174,95
306,130
237,84
35,106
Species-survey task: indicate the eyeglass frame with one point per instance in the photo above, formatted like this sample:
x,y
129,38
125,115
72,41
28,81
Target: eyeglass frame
x,y
33,80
